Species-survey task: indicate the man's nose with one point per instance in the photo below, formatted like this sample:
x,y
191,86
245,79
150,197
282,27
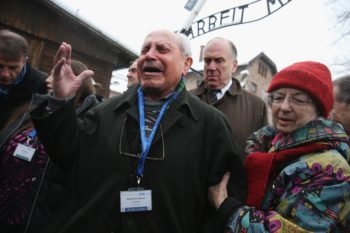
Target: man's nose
x,y
286,103
151,53
211,65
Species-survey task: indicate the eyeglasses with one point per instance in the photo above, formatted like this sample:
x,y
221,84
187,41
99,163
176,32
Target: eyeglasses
x,y
153,155
297,99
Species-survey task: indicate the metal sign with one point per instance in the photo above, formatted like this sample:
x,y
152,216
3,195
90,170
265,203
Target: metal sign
x,y
242,14
190,4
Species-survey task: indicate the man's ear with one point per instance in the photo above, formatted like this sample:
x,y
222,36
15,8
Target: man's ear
x,y
187,65
234,66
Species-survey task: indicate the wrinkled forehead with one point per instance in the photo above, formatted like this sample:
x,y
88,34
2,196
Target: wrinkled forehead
x,y
216,44
162,38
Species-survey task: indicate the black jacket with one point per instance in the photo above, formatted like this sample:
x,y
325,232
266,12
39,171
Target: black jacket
x,y
49,193
198,149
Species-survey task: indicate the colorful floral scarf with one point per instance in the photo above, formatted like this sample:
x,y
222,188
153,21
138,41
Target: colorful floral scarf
x,y
268,150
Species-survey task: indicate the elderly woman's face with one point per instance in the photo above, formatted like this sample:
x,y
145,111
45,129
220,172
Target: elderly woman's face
x,y
291,109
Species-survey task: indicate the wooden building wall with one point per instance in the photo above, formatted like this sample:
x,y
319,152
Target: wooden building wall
x,y
45,25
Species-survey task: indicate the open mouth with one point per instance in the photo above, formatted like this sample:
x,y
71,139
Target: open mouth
x,y
151,69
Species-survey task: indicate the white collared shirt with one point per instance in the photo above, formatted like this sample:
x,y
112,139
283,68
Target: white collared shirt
x,y
221,93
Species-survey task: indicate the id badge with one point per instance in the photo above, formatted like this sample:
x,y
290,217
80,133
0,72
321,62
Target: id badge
x,y
135,200
24,152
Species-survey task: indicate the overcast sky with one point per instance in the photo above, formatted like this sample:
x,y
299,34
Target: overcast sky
x,y
301,30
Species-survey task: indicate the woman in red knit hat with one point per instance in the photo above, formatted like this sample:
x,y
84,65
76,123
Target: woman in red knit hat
x,y
298,170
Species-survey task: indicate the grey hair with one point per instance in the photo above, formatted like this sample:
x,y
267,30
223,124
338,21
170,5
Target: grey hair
x,y
232,46
184,44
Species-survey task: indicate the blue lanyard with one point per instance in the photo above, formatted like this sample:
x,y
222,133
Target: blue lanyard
x,y
146,142
31,137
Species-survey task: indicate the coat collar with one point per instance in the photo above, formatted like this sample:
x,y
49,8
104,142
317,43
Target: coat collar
x,y
184,104
185,107
235,88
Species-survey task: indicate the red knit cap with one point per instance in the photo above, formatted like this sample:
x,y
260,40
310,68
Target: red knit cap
x,y
314,78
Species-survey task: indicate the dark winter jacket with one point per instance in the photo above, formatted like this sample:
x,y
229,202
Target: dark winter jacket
x,y
245,111
192,149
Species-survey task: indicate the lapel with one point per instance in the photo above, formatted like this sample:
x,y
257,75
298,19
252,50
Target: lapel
x,y
170,119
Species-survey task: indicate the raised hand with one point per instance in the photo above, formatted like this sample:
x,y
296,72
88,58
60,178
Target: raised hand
x,y
65,82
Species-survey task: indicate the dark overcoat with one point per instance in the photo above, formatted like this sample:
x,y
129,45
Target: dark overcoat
x,y
245,111
192,149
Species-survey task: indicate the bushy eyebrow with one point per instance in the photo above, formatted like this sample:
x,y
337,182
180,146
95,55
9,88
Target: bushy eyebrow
x,y
216,59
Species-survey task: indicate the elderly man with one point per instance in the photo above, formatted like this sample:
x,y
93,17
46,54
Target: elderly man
x,y
245,111
143,161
